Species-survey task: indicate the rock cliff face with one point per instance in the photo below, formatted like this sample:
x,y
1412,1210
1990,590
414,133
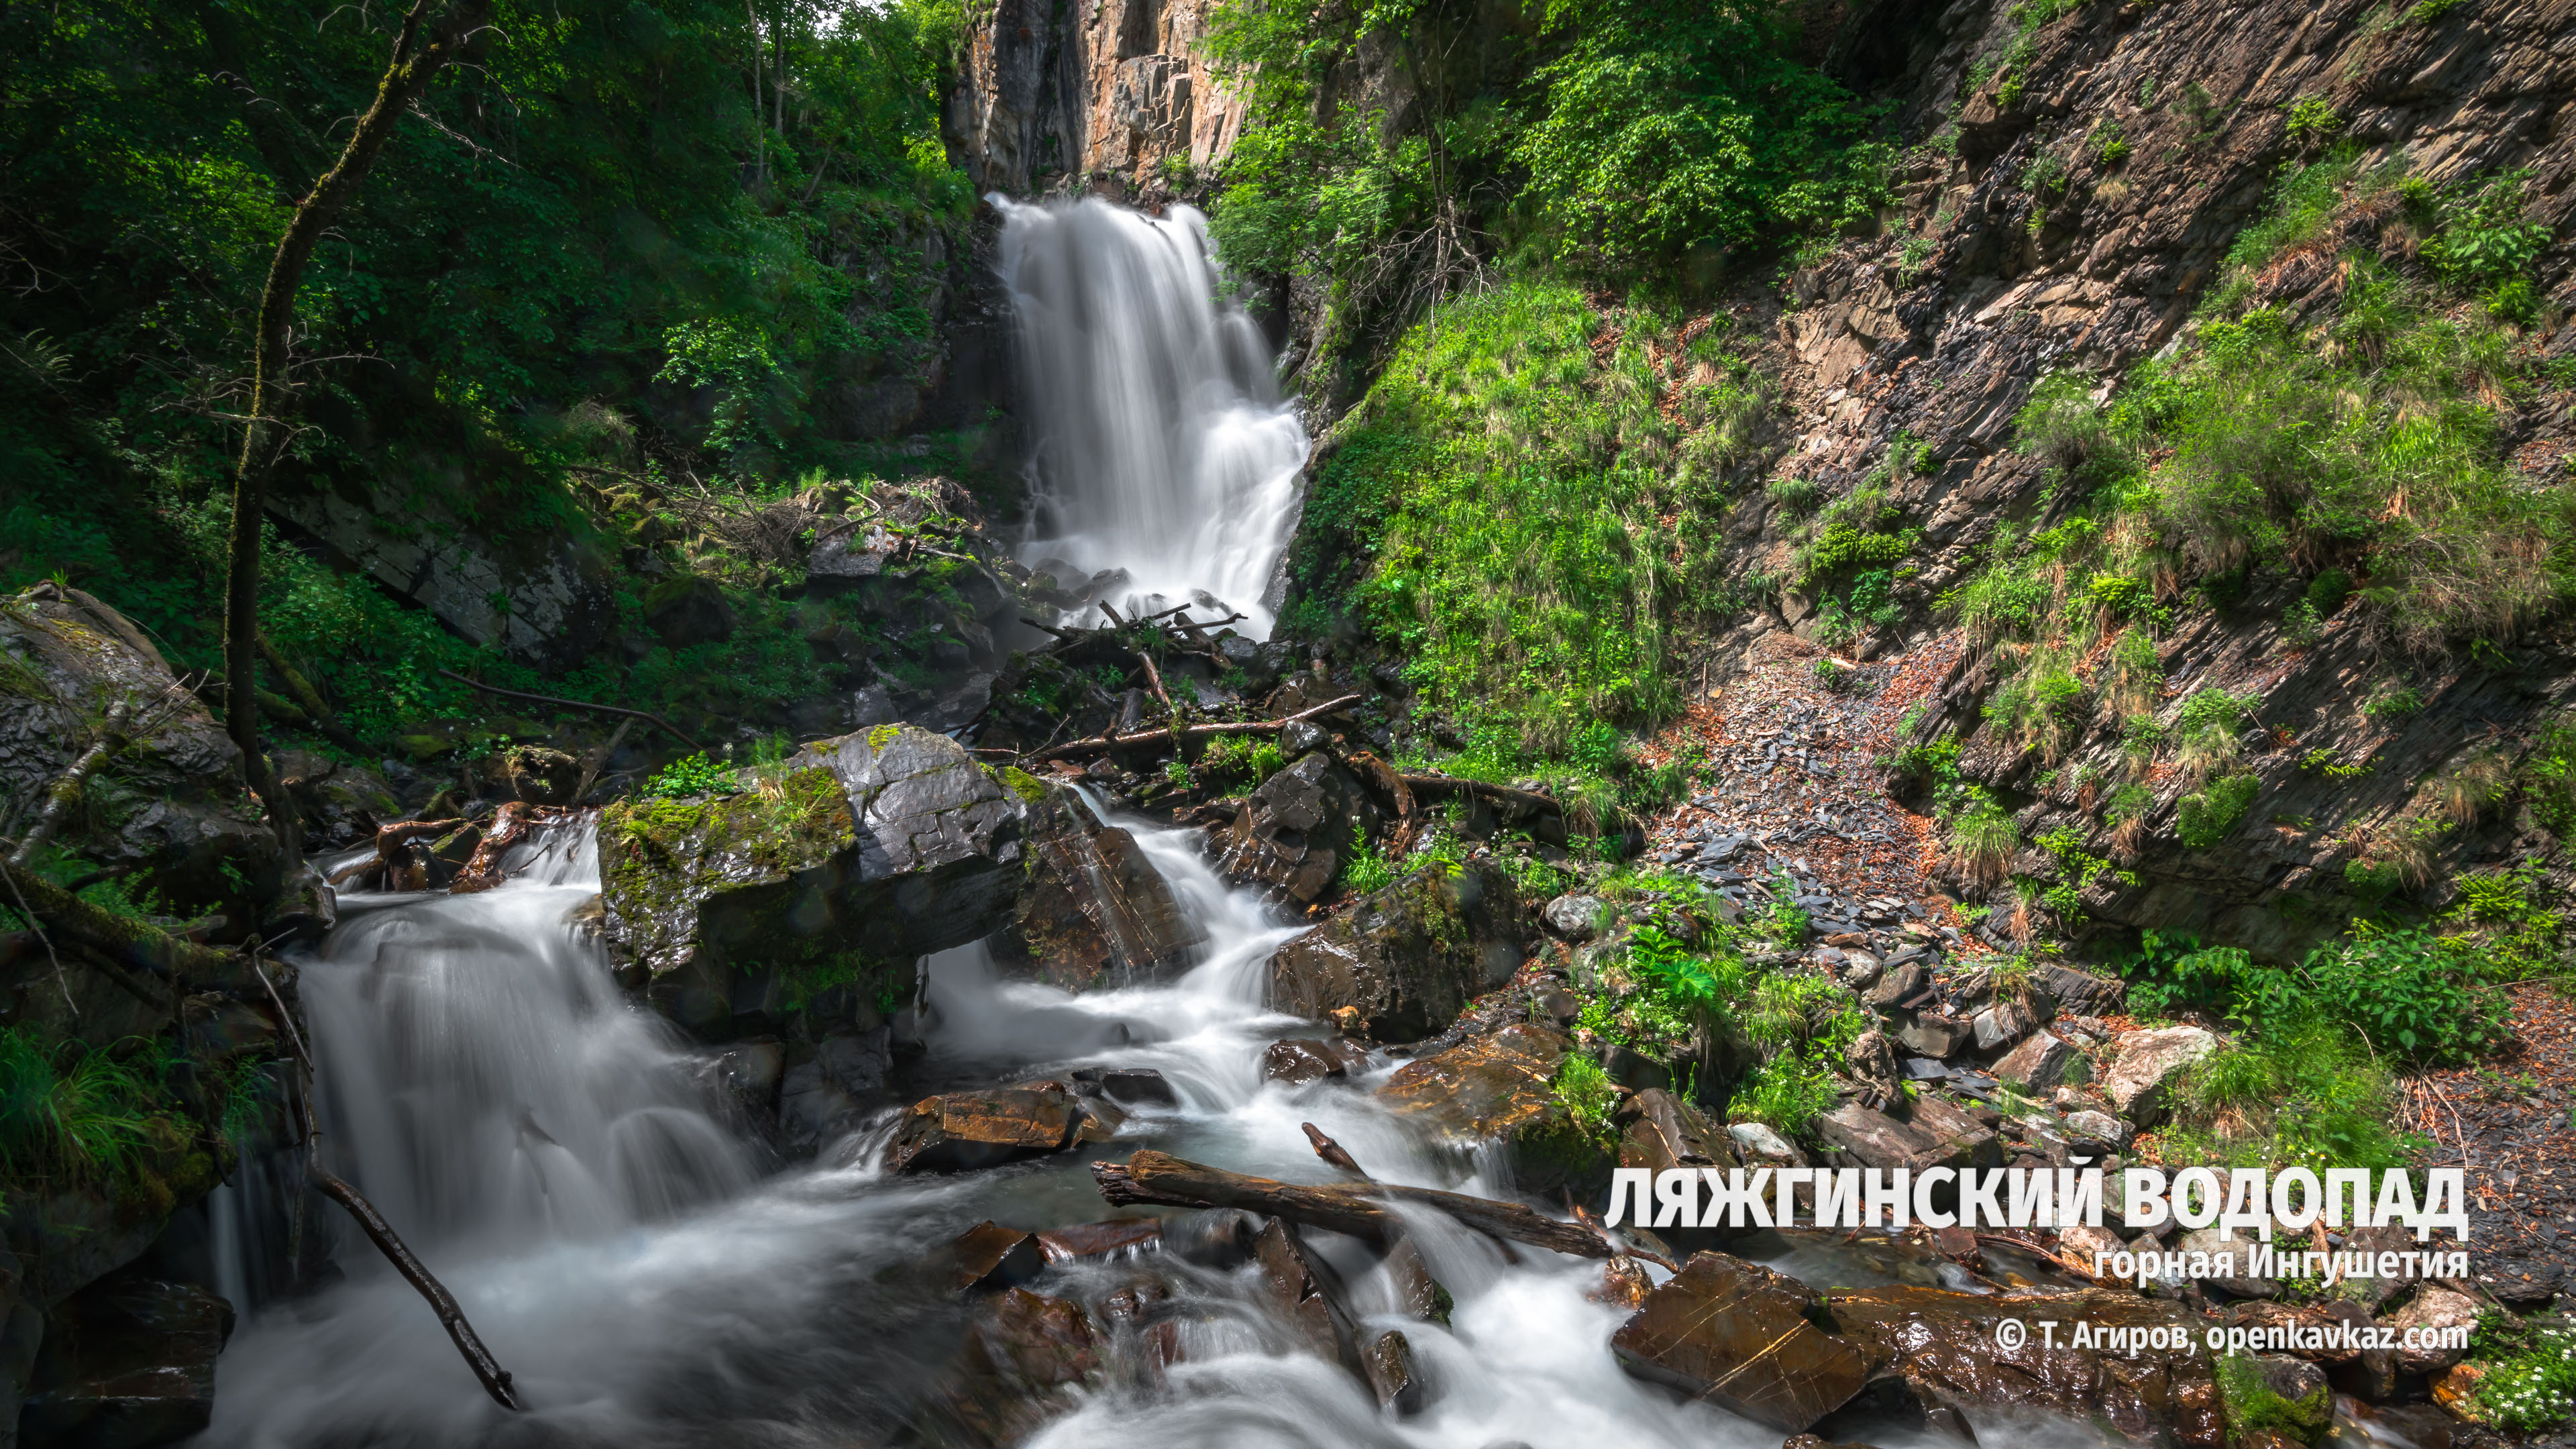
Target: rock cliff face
x,y
2022,246
1061,96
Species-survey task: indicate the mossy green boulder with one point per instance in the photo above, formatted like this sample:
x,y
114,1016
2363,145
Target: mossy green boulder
x,y
836,868
2270,1395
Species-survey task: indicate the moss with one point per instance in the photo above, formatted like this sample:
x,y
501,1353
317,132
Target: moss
x,y
663,857
2253,1407
1025,785
882,736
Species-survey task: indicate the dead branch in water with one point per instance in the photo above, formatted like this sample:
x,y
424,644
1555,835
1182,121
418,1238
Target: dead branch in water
x,y
495,1379
1363,1210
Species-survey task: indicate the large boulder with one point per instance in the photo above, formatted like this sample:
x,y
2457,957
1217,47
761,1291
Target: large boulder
x,y
127,1363
1293,834
1093,907
981,1129
2140,1082
1409,957
171,804
835,869
1020,1366
1933,1134
1754,1342
1501,1087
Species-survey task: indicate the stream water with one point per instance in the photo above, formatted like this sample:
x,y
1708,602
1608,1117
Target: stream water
x,y
1159,443
554,1156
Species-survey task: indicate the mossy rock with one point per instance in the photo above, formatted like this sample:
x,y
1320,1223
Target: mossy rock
x,y
1409,957
2273,1395
858,852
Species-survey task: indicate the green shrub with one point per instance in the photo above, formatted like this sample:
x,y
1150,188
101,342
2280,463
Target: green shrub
x,y
692,775
1588,1098
2412,995
2312,122
2299,1093
1982,840
2205,817
1364,869
2550,769
2216,709
2535,1388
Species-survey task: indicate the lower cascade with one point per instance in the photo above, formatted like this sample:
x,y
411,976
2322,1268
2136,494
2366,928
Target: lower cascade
x,y
568,1166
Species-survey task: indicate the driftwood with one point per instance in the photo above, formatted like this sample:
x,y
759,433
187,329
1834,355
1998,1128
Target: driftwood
x,y
495,1379
1098,744
122,941
1363,1210
66,790
509,826
1333,1152
655,720
1154,677
1519,802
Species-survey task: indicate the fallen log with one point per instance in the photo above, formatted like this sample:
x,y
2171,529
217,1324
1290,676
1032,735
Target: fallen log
x,y
1361,1209
1523,801
65,792
1100,743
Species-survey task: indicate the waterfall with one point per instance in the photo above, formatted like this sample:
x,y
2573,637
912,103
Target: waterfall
x,y
549,1151
1159,444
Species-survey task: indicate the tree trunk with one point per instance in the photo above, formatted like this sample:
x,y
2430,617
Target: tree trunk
x,y
415,61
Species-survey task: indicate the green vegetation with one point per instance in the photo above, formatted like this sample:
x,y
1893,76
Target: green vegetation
x,y
591,295
2405,993
2531,1384
1512,514
692,775
1587,1097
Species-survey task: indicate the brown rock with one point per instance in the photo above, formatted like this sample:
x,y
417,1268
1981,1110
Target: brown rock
x,y
1665,1131
1098,1240
1293,833
1417,1293
1410,957
979,1129
989,1257
1744,1338
1937,1135
1297,1288
126,1363
1094,911
1389,1367
1017,1367
2148,1061
1308,1059
2432,1308
2039,1063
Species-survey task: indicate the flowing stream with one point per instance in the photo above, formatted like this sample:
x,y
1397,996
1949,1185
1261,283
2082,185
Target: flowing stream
x,y
552,1153
1160,446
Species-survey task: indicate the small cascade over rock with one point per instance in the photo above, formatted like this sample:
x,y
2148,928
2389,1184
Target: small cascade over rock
x,y
1165,467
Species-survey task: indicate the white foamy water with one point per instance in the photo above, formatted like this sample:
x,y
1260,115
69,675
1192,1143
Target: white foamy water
x,y
550,1153
1159,442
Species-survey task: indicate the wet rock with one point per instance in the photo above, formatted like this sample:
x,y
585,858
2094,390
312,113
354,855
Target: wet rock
x,y
1391,1376
1302,1291
1576,918
1624,1285
814,1108
1759,1146
688,610
2275,1395
1017,1368
1501,1088
1409,957
1871,1060
1221,1238
126,1363
751,1072
2148,1061
1129,1086
2039,1063
1300,737
2455,1390
1662,1130
2432,1308
979,1129
1752,1341
541,776
987,1258
1099,1240
1417,1293
1307,1059
1294,832
1940,1347
1093,910
850,860
170,805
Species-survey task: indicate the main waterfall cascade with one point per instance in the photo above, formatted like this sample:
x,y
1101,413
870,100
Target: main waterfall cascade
x,y
1159,443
